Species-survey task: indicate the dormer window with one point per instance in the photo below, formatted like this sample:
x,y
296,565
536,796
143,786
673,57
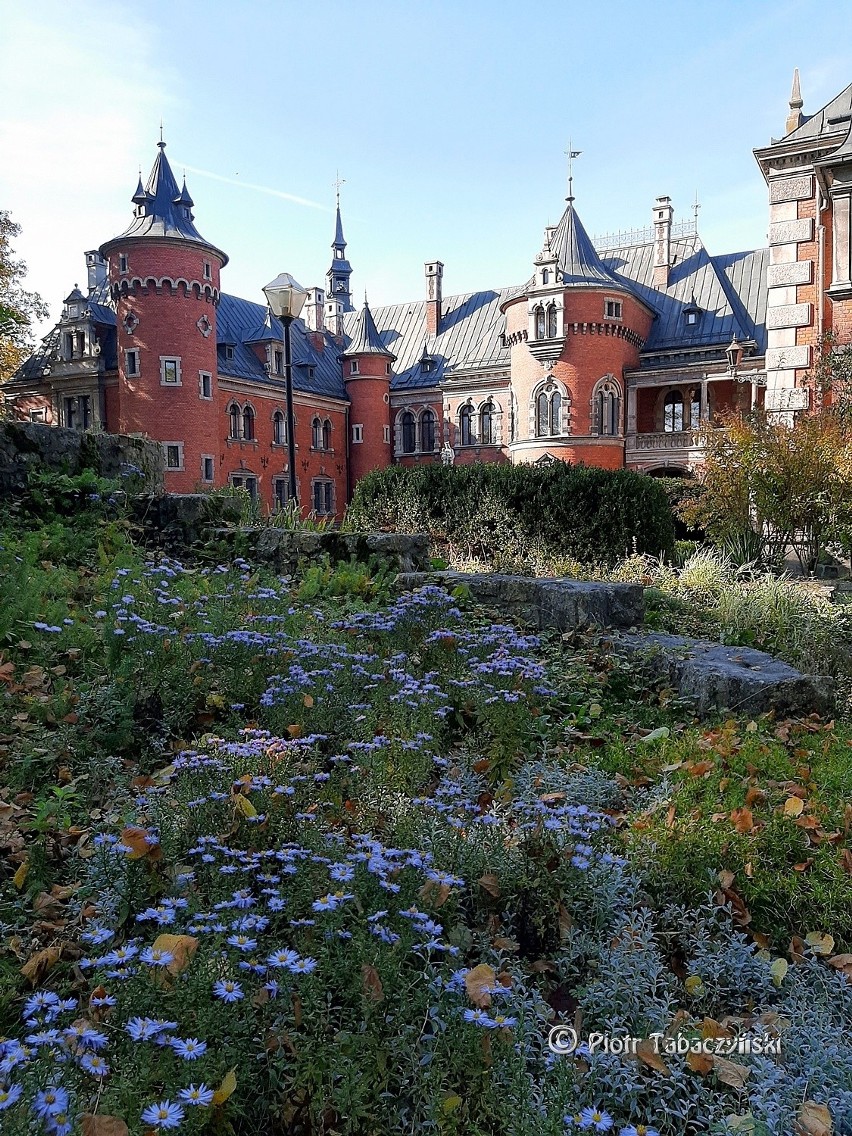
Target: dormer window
x,y
279,362
545,276
229,352
692,314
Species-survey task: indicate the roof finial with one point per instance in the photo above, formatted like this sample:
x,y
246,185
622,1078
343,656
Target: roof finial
x,y
366,305
795,118
161,143
572,154
696,205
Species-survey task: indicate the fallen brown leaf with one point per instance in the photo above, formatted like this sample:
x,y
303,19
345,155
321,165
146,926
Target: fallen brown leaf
x,y
476,982
813,1120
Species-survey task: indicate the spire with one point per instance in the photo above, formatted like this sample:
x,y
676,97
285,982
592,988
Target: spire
x,y
163,210
337,278
365,336
795,118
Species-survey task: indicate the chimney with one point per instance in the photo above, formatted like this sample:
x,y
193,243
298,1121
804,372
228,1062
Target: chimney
x,y
434,276
96,267
313,312
663,213
795,117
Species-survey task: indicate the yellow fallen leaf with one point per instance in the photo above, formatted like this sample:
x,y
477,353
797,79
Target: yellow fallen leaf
x,y
40,963
793,806
227,1088
694,985
820,944
450,1104
646,1051
21,875
245,806
183,947
778,970
308,700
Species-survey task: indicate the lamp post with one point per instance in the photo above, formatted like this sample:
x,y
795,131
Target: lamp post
x,y
286,299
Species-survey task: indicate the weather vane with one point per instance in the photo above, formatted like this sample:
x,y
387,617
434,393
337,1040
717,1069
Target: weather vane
x,y
572,154
337,183
696,205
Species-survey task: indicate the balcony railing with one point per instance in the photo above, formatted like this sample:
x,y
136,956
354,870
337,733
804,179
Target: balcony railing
x,y
676,440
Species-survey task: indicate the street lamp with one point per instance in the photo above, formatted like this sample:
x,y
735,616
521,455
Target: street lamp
x,y
734,355
286,299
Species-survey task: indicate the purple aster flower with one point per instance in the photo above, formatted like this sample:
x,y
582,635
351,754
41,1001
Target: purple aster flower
x,y
282,958
154,956
8,1095
228,990
478,1017
95,1064
302,966
197,1095
241,942
50,1101
166,1114
142,1029
596,1119
190,1049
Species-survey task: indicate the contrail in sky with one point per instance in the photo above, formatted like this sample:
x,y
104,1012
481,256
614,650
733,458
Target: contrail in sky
x,y
260,188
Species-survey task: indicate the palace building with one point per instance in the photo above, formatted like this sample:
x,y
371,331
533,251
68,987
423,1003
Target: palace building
x,y
613,353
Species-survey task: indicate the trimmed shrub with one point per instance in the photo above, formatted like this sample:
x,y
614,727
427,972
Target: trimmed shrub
x,y
560,510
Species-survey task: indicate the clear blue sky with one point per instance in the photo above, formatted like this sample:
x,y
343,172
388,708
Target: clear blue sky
x,y
448,121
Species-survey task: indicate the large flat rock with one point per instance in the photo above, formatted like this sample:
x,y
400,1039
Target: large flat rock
x,y
735,678
563,604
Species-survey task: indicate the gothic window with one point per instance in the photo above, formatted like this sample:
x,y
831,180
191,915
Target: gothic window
x,y
408,433
427,432
248,423
607,408
466,426
486,424
540,325
694,408
673,412
548,412
233,420
316,434
551,322
326,434
279,428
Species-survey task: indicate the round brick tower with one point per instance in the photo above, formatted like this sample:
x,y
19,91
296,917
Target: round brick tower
x,y
574,332
164,279
367,374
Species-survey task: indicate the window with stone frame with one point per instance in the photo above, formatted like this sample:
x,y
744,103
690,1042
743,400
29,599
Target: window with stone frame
x,y
174,456
248,424
409,432
170,371
486,424
234,421
428,423
326,434
316,434
548,412
466,432
606,408
279,428
322,496
551,321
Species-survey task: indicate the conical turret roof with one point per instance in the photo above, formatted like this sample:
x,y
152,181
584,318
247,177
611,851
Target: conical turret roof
x,y
365,336
163,209
577,258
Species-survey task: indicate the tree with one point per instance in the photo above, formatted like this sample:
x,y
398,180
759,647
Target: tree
x,y
767,486
832,374
18,308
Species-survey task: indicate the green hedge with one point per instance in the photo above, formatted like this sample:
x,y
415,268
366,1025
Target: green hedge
x,y
577,511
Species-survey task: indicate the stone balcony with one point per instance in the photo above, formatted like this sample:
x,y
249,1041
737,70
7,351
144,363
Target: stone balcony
x,y
680,448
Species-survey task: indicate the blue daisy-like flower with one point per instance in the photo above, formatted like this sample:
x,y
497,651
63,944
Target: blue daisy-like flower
x,y
199,1095
165,1114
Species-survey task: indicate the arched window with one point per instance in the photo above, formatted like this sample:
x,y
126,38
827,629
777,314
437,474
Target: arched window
x,y
316,434
607,408
234,420
279,428
486,424
548,412
326,434
673,412
409,439
466,425
540,328
542,416
248,423
694,408
545,276
427,432
551,322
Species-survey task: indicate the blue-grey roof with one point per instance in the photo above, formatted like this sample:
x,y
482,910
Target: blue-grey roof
x,y
364,338
338,241
238,320
99,305
163,209
833,118
730,291
469,338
